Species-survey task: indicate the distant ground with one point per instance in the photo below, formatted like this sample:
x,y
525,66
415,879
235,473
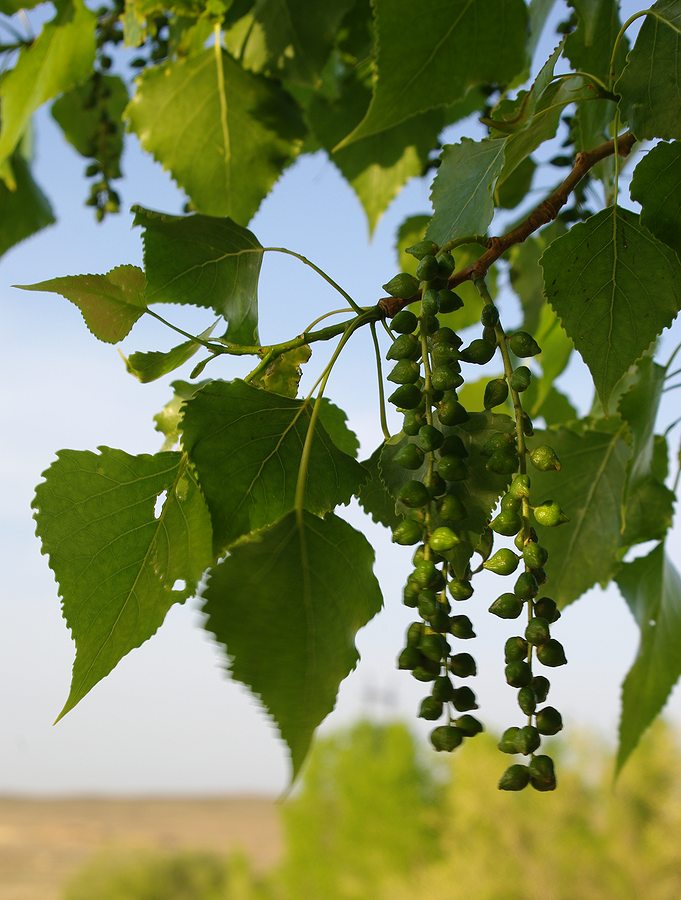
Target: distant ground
x,y
44,841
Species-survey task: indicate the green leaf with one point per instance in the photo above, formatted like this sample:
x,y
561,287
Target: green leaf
x,y
614,287
287,604
335,422
283,374
479,492
155,364
463,190
656,185
204,261
24,209
650,85
589,489
110,304
648,503
651,586
116,563
444,51
374,497
168,419
549,404
246,445
556,350
225,134
60,57
517,186
81,121
292,38
376,167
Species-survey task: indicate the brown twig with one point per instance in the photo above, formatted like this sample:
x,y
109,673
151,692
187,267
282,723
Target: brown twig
x,y
547,210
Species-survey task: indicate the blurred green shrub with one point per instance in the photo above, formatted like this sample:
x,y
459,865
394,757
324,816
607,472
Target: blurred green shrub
x,y
373,819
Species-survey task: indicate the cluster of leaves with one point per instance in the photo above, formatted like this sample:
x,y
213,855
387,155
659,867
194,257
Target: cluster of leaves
x,y
228,96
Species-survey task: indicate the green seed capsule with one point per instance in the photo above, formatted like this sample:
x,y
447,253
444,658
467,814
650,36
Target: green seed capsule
x,y
448,301
504,562
451,509
478,352
451,412
446,263
433,646
468,725
407,532
489,315
446,338
528,427
405,322
413,494
520,486
527,700
444,378
453,446
462,665
461,627
435,484
526,586
443,538
489,335
503,462
509,503
527,740
520,379
423,673
410,594
412,422
537,631
496,393
409,456
406,346
430,709
546,608
518,674
515,648
507,606
460,589
545,459
424,573
407,396
429,306
507,523
402,285
515,778
542,774
549,721
409,658
430,438
523,344
534,555
551,653
464,699
443,689
422,248
427,268
499,442
446,738
429,323
415,632
452,468
439,620
405,371
549,514
540,685
427,604
507,744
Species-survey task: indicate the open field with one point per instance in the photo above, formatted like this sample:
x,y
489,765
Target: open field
x,y
44,841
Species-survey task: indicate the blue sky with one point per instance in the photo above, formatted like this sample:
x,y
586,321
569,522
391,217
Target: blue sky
x,y
168,718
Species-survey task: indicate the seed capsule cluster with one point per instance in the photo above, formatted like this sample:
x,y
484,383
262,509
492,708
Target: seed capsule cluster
x,y
427,362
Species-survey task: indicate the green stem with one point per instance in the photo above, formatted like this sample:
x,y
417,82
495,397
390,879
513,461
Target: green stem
x,y
469,239
597,81
618,41
320,272
299,497
427,393
333,312
379,374
214,348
